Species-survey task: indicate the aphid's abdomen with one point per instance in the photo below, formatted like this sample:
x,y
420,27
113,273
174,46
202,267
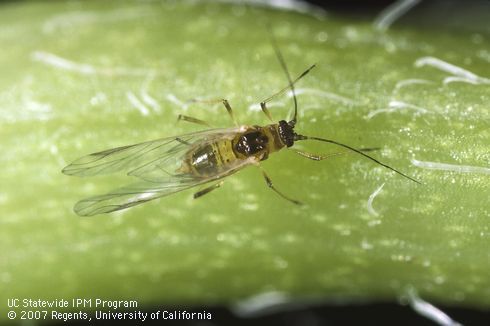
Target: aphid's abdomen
x,y
212,158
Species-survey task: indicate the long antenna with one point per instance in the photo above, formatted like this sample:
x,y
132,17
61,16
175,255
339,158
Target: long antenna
x,y
286,71
301,137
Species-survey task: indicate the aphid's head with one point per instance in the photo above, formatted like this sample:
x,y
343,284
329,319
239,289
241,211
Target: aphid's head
x,y
286,132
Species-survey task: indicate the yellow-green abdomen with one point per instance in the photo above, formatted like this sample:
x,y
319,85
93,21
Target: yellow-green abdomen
x,y
210,159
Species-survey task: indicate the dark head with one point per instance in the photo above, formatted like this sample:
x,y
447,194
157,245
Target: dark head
x,y
286,132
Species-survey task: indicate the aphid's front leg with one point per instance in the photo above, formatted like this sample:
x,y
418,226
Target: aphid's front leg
x,y
271,185
317,157
282,91
224,102
265,110
207,190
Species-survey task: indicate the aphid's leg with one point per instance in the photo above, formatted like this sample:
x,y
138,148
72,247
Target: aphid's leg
x,y
182,141
265,110
225,103
193,120
207,190
317,157
271,185
282,91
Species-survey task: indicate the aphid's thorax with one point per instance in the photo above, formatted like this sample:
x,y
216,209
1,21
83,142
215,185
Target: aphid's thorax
x,y
252,142
260,141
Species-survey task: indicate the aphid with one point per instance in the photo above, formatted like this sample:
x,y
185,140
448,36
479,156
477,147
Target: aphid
x,y
169,165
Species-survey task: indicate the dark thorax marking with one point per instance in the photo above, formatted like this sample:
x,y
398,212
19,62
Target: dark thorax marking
x,y
251,143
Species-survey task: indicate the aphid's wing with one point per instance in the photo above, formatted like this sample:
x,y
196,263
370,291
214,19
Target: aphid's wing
x,y
159,168
147,155
144,191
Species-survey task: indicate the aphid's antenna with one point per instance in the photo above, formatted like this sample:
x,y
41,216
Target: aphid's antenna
x,y
301,137
288,75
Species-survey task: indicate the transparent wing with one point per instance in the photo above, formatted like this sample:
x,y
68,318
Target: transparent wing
x,y
145,160
144,191
156,162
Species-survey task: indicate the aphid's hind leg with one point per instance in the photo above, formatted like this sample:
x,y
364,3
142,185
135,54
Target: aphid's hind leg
x,y
207,190
193,120
317,157
182,141
271,185
224,102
